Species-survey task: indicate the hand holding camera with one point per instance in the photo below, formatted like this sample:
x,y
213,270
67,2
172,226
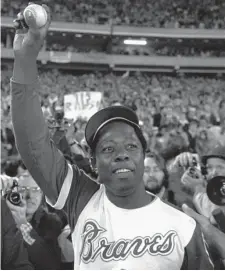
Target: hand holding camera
x,y
16,203
186,160
18,212
191,179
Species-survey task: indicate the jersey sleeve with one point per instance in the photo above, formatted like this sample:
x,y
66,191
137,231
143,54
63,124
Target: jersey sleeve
x,y
45,162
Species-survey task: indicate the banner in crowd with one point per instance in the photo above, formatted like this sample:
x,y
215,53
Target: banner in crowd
x,y
81,104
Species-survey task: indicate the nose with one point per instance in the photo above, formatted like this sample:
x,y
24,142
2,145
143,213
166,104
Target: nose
x,y
26,195
122,156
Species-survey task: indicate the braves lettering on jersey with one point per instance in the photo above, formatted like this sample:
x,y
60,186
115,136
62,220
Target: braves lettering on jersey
x,y
156,236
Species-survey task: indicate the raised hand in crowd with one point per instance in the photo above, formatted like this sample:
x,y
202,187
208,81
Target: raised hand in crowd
x,y
185,160
6,183
192,180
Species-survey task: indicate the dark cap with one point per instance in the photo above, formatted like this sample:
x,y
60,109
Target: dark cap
x,y
217,152
107,115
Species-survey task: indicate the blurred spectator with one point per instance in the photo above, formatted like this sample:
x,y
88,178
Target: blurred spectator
x,y
192,132
13,252
203,143
156,177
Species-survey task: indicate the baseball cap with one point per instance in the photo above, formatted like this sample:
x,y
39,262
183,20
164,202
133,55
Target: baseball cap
x,y
110,114
217,152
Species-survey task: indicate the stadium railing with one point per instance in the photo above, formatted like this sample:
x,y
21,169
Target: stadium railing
x,y
132,63
128,30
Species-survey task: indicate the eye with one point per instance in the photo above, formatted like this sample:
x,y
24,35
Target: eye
x,y
107,149
156,169
132,146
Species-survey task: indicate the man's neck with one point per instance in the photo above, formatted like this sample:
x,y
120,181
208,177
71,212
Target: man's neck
x,y
139,198
161,192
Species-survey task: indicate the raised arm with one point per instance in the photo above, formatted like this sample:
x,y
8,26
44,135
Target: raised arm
x,y
44,161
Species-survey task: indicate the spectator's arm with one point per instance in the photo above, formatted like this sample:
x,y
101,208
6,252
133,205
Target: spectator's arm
x,y
202,203
196,253
214,237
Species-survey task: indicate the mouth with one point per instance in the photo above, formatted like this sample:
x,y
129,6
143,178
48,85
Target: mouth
x,y
122,170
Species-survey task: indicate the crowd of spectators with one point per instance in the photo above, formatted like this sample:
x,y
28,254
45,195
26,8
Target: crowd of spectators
x,y
176,112
164,13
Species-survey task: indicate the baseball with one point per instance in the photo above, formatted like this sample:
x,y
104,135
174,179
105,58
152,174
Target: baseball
x,y
38,12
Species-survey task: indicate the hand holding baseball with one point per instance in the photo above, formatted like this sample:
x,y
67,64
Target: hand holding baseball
x,y
31,31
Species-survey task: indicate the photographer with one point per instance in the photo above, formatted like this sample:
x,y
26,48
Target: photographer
x,y
40,229
195,182
213,164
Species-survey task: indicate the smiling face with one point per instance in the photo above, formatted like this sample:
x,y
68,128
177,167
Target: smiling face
x,y
120,159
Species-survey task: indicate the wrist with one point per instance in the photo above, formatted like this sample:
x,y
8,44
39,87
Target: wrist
x,y
22,222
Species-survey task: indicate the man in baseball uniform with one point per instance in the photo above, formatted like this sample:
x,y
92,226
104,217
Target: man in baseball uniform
x,y
115,222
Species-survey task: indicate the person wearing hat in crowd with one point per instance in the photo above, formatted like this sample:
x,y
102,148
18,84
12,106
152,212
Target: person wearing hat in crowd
x,y
213,165
115,222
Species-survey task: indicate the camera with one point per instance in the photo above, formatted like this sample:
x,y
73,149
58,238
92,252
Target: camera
x,y
216,190
192,170
12,195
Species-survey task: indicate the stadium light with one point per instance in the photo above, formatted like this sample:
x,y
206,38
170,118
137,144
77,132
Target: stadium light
x,y
135,42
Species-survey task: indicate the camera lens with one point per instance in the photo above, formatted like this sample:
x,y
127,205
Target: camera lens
x,y
216,190
222,189
15,198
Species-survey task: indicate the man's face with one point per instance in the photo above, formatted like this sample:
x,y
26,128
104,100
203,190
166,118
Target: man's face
x,y
215,167
30,192
153,175
120,159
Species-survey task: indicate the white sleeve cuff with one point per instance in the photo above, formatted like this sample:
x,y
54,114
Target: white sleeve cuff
x,y
63,195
